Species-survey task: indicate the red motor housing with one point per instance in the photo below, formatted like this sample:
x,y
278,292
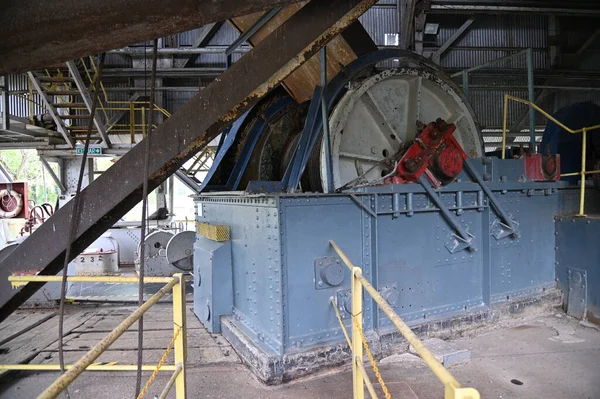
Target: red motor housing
x,y
540,167
435,153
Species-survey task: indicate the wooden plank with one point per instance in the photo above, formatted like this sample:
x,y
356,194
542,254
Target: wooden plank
x,y
21,322
155,319
196,356
157,339
20,318
26,346
301,83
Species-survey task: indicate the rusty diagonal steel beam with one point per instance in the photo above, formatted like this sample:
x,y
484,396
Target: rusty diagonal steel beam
x,y
39,33
190,129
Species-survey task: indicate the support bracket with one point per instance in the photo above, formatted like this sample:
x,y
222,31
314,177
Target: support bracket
x,y
455,243
461,238
502,230
510,224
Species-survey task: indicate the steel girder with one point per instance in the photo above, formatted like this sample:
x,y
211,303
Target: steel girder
x,y
119,189
39,33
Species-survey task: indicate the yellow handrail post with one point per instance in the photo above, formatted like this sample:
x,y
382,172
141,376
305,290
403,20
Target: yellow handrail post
x,y
453,389
143,122
132,122
181,340
175,284
368,382
583,166
582,173
504,120
357,348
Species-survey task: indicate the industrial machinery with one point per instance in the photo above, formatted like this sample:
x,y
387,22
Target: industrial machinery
x,y
14,201
444,233
272,142
166,253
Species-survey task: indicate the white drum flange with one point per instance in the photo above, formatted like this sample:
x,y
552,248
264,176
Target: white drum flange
x,y
374,119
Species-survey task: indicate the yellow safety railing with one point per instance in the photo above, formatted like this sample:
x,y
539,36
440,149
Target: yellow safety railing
x,y
137,110
178,343
452,388
583,172
92,72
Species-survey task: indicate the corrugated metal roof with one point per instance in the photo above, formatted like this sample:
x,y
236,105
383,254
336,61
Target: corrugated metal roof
x,y
378,21
523,30
20,103
224,36
175,100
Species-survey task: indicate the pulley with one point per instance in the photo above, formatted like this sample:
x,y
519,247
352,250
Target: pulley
x,y
155,262
374,116
180,250
379,117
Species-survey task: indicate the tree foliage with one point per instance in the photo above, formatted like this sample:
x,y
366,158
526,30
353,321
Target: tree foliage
x,y
25,165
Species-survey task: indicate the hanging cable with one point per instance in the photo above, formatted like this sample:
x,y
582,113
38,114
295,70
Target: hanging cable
x,y
75,215
138,382
44,184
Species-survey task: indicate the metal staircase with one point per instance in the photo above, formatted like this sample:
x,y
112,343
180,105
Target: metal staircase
x,y
200,164
193,175
69,104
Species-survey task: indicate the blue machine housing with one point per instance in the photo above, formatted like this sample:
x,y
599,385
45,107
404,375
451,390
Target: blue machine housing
x,y
482,243
212,272
557,140
285,273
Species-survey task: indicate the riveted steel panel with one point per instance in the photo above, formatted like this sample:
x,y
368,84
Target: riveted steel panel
x,y
431,281
397,235
577,269
256,259
308,225
525,265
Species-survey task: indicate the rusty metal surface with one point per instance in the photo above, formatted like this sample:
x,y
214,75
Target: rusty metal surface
x,y
119,189
340,50
39,33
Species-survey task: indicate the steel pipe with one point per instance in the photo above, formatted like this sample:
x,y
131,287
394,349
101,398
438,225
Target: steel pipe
x,y
460,230
531,95
141,52
171,381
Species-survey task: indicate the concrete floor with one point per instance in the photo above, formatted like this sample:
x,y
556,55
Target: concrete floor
x,y
550,356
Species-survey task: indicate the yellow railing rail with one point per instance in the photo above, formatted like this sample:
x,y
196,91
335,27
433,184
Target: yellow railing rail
x,y
452,388
583,172
136,109
87,362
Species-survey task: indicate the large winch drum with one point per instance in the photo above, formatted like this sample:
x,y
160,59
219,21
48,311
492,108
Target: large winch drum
x,y
378,117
